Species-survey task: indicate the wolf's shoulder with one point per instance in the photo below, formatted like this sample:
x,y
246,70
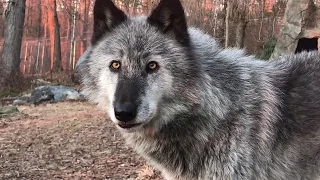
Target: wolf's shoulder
x,y
303,59
201,41
209,50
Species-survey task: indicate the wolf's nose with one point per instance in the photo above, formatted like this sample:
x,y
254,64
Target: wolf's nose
x,y
125,112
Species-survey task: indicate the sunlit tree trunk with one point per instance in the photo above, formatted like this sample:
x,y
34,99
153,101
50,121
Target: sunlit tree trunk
x,y
54,31
37,64
85,12
73,31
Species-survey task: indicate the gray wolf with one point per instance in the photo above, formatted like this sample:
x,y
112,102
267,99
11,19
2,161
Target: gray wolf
x,y
197,111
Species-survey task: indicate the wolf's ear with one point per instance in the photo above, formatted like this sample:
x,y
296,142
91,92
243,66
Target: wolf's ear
x,y
106,17
169,17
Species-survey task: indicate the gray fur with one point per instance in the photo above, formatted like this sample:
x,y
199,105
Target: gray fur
x,y
212,113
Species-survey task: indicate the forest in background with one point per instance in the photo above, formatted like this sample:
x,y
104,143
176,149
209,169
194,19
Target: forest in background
x,y
37,52
252,24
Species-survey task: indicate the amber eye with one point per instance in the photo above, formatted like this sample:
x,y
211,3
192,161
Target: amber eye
x,y
115,65
152,66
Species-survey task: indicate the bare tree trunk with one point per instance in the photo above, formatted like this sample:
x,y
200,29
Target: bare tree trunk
x,y
228,3
240,33
57,64
73,31
215,19
13,39
85,10
262,18
275,12
54,27
242,16
274,21
223,23
44,22
39,38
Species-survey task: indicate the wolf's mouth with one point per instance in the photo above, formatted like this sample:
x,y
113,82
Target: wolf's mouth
x,y
128,126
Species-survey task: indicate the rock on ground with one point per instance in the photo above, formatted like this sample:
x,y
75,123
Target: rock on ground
x,y
8,110
57,93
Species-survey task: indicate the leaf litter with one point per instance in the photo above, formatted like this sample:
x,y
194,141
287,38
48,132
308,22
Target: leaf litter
x,y
70,140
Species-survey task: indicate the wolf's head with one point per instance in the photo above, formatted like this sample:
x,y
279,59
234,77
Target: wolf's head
x,y
140,67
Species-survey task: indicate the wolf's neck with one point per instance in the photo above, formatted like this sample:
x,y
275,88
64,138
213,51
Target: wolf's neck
x,y
184,146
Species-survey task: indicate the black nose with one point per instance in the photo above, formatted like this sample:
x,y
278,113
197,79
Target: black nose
x,y
125,112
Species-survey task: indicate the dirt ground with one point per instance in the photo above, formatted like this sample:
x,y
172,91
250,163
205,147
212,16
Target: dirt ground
x,y
71,140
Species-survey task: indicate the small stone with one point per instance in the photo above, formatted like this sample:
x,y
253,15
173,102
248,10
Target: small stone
x,y
9,110
19,102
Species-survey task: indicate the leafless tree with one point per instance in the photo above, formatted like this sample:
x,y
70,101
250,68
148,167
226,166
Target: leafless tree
x,y
14,15
54,30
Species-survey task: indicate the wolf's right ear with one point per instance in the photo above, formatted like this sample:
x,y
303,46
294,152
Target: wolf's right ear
x,y
106,17
169,17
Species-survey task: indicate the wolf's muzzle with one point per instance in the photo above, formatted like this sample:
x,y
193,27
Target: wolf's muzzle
x,y
125,112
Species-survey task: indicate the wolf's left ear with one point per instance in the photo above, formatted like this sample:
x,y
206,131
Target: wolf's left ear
x,y
169,17
106,17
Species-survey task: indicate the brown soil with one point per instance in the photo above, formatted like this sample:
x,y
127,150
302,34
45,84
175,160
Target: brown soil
x,y
71,140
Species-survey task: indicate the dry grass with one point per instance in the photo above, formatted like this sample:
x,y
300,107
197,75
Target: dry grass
x,y
66,141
